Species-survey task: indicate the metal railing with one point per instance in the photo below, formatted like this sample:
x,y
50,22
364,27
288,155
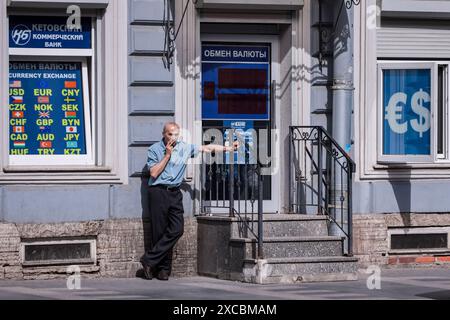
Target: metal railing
x,y
321,182
321,179
236,187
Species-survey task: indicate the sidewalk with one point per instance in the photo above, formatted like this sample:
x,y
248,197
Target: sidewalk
x,y
431,283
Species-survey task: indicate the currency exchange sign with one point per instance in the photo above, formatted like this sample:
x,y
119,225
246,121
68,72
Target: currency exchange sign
x,y
46,115
235,82
407,111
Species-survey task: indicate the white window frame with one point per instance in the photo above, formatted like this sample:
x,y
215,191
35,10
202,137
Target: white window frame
x,y
421,230
445,155
92,245
406,159
109,119
64,55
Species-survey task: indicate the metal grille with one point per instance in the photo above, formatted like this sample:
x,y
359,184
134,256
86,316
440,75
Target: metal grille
x,y
419,241
64,252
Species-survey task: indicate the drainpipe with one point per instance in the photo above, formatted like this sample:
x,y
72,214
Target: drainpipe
x,y
342,86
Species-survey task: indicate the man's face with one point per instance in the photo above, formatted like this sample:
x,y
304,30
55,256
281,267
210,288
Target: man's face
x,y
171,133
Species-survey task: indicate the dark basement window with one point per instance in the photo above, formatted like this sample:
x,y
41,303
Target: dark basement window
x,y
419,241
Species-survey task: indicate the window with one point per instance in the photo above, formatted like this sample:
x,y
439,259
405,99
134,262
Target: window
x,y
418,240
413,108
51,69
58,252
87,140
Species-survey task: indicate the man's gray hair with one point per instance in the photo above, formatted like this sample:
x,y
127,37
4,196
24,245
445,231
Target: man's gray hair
x,y
170,124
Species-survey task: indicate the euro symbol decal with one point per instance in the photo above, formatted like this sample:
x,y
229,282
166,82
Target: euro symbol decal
x,y
392,113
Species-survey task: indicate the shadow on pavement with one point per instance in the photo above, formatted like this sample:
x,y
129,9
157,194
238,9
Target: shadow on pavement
x,y
436,295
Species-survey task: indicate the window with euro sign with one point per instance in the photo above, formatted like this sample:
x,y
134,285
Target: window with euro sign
x,y
407,109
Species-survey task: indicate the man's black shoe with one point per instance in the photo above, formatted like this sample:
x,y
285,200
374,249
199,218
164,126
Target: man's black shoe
x,y
163,275
148,271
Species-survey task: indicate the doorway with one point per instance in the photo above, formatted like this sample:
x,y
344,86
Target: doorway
x,y
238,81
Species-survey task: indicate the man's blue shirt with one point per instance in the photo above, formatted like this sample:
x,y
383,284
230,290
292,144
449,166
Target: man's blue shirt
x,y
173,173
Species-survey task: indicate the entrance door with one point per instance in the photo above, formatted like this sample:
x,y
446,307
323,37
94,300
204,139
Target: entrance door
x,y
237,92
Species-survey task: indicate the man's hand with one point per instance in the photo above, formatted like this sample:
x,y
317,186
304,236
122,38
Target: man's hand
x,y
169,148
156,170
232,148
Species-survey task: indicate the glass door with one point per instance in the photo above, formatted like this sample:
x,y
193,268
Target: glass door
x,y
237,94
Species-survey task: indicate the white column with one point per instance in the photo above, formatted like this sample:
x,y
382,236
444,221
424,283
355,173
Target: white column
x,y
187,76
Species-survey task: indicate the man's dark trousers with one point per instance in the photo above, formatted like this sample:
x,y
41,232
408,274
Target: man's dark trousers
x,y
167,224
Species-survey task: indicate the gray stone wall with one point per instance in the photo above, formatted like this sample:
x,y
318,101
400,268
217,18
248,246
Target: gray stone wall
x,y
10,265
120,244
371,244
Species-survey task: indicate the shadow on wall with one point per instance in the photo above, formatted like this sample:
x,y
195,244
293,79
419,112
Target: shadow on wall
x,y
402,191
146,223
145,206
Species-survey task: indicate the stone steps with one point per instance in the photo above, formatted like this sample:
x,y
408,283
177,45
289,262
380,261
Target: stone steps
x,y
290,225
304,269
289,247
287,217
296,248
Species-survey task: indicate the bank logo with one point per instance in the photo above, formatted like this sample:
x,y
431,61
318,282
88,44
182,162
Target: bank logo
x,y
21,35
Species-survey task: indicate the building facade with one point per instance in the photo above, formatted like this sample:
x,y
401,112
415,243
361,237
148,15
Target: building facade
x,y
85,102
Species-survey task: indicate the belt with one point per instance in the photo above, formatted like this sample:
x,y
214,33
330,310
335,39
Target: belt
x,y
166,187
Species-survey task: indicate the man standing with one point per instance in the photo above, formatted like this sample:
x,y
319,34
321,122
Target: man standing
x,y
167,162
